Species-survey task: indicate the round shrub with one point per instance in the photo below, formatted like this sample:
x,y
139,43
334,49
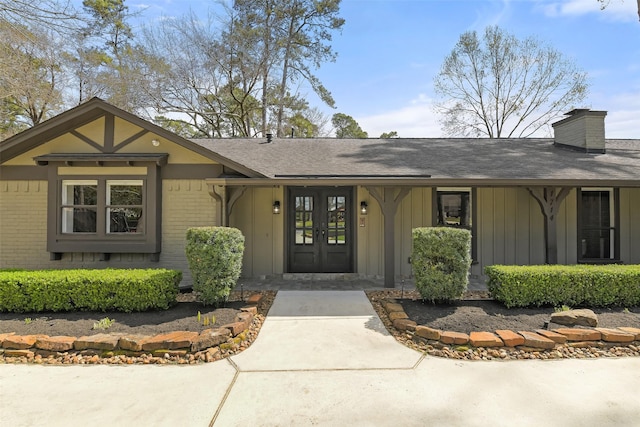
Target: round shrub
x,y
441,260
214,255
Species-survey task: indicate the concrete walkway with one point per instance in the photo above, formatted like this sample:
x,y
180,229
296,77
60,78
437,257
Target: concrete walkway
x,y
324,358
324,330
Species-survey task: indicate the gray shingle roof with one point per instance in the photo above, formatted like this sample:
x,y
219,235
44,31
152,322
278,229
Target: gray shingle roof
x,y
442,158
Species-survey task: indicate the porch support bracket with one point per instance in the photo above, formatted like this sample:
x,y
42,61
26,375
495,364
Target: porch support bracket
x,y
225,199
234,194
550,199
389,200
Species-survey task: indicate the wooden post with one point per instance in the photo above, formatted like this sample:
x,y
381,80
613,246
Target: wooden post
x,y
550,199
389,202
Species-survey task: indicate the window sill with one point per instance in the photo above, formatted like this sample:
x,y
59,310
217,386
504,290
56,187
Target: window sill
x,y
106,256
122,244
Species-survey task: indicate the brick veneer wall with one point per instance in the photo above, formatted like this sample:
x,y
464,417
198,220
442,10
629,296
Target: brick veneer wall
x,y
23,228
23,224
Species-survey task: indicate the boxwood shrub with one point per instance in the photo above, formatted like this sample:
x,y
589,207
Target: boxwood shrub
x,y
214,255
572,285
88,290
441,259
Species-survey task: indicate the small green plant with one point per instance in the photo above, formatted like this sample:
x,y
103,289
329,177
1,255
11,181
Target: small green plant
x,y
626,310
562,308
27,320
104,323
206,320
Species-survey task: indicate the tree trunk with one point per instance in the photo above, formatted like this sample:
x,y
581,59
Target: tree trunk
x,y
285,76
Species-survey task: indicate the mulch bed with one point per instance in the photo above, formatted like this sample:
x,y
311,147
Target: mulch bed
x,y
476,312
181,317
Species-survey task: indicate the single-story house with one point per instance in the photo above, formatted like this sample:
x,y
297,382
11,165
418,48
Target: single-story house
x,y
98,187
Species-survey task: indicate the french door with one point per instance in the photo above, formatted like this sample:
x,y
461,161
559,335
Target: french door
x,y
320,229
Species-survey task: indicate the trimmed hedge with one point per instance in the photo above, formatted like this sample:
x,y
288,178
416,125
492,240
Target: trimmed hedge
x,y
88,290
215,260
441,258
572,285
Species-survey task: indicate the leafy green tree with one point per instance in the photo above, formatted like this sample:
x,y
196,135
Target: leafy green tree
x,y
301,127
214,84
107,62
293,38
179,127
389,135
223,85
346,127
10,119
500,86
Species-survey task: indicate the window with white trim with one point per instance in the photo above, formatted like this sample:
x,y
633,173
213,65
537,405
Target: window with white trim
x,y
79,206
84,201
124,206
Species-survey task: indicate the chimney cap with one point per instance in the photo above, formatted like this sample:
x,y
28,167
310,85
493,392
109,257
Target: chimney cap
x,y
576,111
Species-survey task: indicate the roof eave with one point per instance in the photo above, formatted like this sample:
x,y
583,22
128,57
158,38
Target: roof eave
x,y
422,182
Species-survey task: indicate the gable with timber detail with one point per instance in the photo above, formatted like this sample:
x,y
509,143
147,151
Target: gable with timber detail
x,y
110,135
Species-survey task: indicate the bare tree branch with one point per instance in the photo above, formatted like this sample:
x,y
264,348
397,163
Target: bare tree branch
x,y
499,86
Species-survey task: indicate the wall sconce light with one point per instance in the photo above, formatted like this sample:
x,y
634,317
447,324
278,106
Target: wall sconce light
x,y
276,207
363,207
155,142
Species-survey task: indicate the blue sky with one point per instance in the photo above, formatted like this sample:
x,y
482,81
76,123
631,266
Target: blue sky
x,y
389,52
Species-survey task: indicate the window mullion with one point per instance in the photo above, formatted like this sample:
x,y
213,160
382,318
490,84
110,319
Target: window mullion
x,y
102,216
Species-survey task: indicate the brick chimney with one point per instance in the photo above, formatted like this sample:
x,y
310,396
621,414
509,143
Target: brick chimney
x,y
583,130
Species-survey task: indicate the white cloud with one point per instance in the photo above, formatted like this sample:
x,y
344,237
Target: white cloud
x,y
416,120
615,10
419,120
623,117
491,13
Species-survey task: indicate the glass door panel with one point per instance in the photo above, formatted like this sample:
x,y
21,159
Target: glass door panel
x,y
319,224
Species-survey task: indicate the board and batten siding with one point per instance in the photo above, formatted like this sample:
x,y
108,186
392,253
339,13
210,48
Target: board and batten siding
x,y
262,229
414,211
509,227
630,225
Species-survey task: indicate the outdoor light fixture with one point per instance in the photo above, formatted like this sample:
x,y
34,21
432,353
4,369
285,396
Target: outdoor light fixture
x,y
363,207
155,142
276,207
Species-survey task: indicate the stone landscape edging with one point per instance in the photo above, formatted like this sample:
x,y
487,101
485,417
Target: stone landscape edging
x,y
554,343
178,346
